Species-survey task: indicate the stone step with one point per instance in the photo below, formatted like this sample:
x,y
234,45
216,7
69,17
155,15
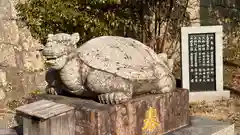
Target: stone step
x,y
204,126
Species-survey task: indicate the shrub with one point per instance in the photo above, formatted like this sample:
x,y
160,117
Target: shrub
x,y
89,19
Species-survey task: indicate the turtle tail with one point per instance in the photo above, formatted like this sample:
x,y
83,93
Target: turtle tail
x,y
168,62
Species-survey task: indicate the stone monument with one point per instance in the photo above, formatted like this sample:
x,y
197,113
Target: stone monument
x,y
202,62
130,90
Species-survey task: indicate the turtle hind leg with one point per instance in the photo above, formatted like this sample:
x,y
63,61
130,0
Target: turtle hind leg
x,y
165,85
112,89
114,97
162,90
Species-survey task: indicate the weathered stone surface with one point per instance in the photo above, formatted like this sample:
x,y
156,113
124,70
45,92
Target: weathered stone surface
x,y
28,82
19,61
2,109
7,54
18,48
204,126
27,41
165,112
2,94
3,78
9,32
193,9
14,78
7,10
32,61
18,54
40,80
235,83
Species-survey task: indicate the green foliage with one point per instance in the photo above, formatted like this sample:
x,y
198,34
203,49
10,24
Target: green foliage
x,y
91,19
141,20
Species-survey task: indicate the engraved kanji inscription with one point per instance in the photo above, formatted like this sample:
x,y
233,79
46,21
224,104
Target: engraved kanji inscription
x,y
202,62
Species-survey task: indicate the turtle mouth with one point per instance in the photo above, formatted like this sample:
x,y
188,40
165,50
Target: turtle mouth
x,y
52,59
49,59
52,56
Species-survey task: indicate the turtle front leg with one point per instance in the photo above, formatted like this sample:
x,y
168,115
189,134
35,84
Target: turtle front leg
x,y
54,85
50,90
54,88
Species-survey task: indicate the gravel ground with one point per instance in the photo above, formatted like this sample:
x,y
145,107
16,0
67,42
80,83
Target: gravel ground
x,y
222,110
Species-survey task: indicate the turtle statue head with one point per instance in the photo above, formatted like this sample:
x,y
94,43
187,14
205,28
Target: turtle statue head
x,y
58,47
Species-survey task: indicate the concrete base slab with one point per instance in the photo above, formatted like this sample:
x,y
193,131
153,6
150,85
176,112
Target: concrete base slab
x,y
208,96
204,126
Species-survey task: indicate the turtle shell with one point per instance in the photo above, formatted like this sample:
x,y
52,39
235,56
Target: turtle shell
x,y
122,56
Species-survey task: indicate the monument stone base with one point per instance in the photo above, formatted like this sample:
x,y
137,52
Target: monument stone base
x,y
143,115
204,126
208,96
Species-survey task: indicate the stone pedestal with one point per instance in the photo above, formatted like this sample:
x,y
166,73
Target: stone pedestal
x,y
146,114
208,96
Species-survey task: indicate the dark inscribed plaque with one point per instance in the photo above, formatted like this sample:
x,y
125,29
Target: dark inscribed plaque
x,y
202,69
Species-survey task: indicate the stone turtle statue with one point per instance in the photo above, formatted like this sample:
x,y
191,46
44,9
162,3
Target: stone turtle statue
x,y
113,68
